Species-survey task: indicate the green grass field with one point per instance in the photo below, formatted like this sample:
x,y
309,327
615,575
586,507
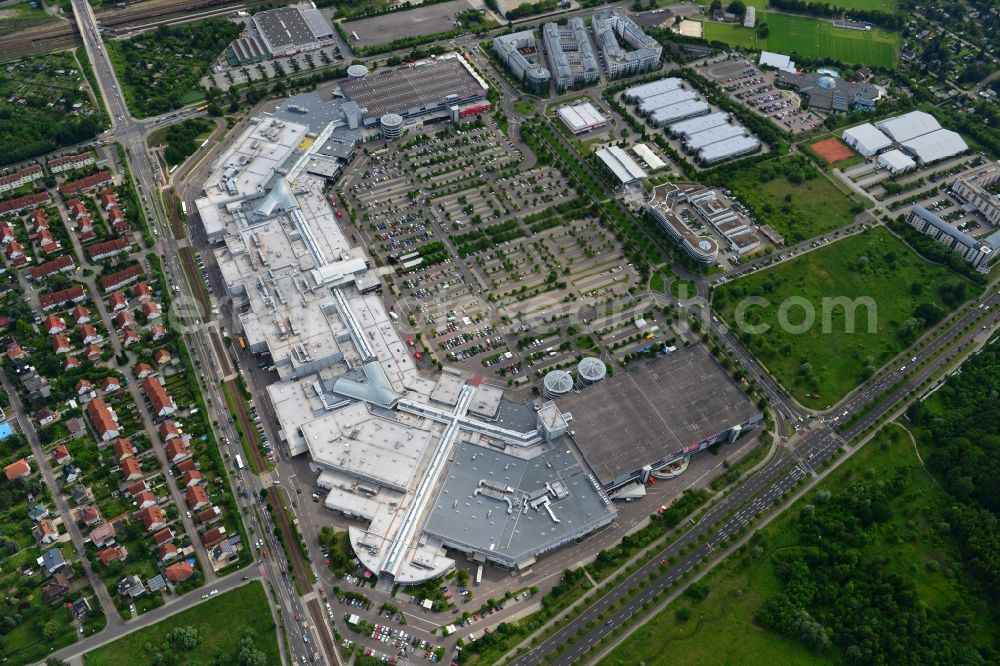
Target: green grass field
x,y
220,622
796,211
721,628
813,38
822,364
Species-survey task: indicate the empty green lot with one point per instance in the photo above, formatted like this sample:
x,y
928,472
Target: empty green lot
x,y
811,37
883,281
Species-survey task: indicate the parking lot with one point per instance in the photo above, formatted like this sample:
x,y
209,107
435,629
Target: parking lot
x,y
487,257
423,20
754,88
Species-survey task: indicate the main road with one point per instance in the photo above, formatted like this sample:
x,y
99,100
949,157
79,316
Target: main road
x,y
133,135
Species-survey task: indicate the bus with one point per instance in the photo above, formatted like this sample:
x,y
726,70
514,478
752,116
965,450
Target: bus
x,y
479,574
184,209
239,462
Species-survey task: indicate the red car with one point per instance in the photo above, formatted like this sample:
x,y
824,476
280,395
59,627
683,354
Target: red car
x,y
410,341
340,213
418,356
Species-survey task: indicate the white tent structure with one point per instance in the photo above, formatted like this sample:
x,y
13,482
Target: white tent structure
x,y
777,60
866,139
935,146
896,161
908,126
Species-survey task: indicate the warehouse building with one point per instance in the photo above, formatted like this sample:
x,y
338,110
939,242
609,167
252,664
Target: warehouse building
x,y
582,117
777,61
896,161
655,413
611,29
699,140
641,92
908,126
977,253
725,150
290,30
652,160
519,53
977,187
621,165
935,146
681,111
866,139
650,104
571,58
684,129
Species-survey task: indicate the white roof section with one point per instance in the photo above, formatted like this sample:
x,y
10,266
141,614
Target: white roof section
x,y
731,147
935,146
654,88
623,166
581,117
699,140
866,139
909,125
896,161
651,104
777,60
689,127
648,156
668,114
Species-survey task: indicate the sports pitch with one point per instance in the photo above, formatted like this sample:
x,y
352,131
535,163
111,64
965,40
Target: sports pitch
x,y
812,38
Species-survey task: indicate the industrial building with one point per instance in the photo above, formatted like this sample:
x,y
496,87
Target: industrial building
x,y
571,57
695,142
651,104
726,150
977,253
702,249
383,439
424,88
681,111
976,189
655,413
686,128
646,90
621,165
935,146
896,161
828,93
651,159
519,53
866,139
289,30
581,117
908,126
611,29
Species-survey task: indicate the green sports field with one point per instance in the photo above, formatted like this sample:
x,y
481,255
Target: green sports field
x,y
813,38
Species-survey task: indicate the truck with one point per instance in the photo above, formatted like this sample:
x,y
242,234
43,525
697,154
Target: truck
x,y
479,574
184,209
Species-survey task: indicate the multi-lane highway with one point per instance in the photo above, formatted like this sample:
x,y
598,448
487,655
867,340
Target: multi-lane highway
x,y
804,454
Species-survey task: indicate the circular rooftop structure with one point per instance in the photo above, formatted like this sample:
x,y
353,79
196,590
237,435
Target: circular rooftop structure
x,y
357,71
392,125
592,369
557,382
826,82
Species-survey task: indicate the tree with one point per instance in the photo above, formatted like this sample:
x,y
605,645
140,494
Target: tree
x,y
737,7
716,6
763,30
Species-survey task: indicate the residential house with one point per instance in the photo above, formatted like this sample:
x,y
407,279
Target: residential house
x,y
14,352
142,291
15,254
80,315
131,586
121,278
161,403
39,221
70,162
63,297
51,561
19,469
81,494
123,449
177,450
129,336
80,608
61,344
12,181
71,363
76,427
186,465
209,515
163,536
150,309
117,302
196,498
131,469
89,335
53,324
46,532
103,419
37,511
117,220
84,386
124,319
144,500
162,357
157,333
62,264
108,199
168,430
47,243
192,478
56,589
167,552
142,370
178,572
214,536
90,515
61,454
112,554
135,488
153,519
71,473
109,249
111,384
92,353
103,535
83,184
6,232
46,416
76,209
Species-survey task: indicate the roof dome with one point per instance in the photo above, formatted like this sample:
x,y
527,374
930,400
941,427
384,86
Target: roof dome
x,y
826,82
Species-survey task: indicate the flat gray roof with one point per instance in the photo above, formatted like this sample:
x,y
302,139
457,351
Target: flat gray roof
x,y
412,88
482,522
284,26
654,409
